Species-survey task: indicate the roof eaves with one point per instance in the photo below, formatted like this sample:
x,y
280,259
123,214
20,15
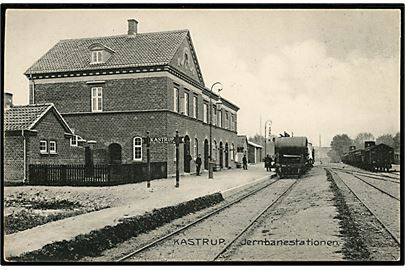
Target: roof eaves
x,y
40,116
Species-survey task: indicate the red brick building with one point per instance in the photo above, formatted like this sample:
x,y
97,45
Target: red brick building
x,y
114,89
36,134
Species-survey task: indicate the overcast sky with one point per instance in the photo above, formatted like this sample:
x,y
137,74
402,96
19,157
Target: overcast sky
x,y
311,72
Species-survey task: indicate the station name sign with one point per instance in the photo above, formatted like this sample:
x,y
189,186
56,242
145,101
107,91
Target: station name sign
x,y
164,140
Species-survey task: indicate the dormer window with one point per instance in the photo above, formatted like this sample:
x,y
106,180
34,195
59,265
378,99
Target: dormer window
x,y
97,57
100,53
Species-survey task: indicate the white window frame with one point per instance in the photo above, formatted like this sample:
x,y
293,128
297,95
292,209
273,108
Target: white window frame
x,y
214,115
215,151
74,140
205,110
195,148
97,99
176,100
43,151
232,122
220,118
97,57
232,151
186,103
195,106
136,146
52,147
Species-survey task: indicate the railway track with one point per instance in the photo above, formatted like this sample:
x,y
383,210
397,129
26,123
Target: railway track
x,y
246,229
394,235
374,176
162,239
372,185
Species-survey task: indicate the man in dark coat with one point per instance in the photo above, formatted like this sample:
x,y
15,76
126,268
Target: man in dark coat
x,y
244,161
198,162
267,163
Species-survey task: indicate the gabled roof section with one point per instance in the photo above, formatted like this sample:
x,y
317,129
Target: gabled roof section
x,y
254,144
141,50
26,117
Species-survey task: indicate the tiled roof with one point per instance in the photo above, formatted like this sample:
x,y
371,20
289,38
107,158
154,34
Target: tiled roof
x,y
22,117
143,49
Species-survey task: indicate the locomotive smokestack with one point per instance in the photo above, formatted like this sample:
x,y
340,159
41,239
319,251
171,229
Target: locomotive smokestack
x,y
369,144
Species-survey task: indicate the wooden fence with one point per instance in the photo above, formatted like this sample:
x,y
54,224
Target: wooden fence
x,y
97,175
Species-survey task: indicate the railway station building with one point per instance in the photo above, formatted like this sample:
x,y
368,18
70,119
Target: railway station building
x,y
113,90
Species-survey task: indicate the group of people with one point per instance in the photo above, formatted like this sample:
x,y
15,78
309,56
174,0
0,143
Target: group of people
x,y
267,163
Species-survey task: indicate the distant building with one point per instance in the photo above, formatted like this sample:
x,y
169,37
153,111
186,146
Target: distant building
x,y
254,152
114,89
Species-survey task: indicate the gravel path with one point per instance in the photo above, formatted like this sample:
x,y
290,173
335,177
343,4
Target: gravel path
x,y
386,208
306,219
367,238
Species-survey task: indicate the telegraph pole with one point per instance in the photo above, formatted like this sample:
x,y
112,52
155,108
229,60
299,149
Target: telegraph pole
x,y
177,140
148,159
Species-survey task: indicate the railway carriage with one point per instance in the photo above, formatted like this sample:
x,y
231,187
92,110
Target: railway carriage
x,y
374,157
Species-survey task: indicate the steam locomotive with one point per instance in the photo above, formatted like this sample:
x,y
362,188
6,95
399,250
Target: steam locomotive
x,y
373,157
293,155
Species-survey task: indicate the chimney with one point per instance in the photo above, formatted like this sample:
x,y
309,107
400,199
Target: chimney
x,y
132,27
368,144
8,100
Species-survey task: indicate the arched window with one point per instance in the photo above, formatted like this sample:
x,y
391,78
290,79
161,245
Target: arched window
x,y
195,148
137,145
232,151
214,151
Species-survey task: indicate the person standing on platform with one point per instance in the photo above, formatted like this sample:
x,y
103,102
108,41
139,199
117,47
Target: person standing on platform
x,y
198,163
244,161
267,163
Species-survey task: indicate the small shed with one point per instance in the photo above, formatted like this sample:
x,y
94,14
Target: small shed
x,y
36,134
254,152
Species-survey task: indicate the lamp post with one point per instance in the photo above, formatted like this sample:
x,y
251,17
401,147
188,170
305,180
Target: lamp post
x,y
210,169
265,135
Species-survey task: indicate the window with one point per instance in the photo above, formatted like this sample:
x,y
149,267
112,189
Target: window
x,y
214,117
220,118
96,99
73,140
52,147
232,151
195,148
186,102
214,151
195,107
96,57
137,148
176,100
226,120
205,108
232,122
43,147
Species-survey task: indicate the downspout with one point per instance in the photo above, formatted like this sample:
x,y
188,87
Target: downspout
x,y
25,155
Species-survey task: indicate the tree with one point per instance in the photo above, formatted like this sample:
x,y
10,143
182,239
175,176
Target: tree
x,y
386,139
340,144
334,157
397,141
361,138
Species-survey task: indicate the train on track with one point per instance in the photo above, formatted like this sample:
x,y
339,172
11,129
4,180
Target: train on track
x,y
293,155
373,157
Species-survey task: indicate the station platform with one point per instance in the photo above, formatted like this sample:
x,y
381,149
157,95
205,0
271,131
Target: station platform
x,y
162,193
